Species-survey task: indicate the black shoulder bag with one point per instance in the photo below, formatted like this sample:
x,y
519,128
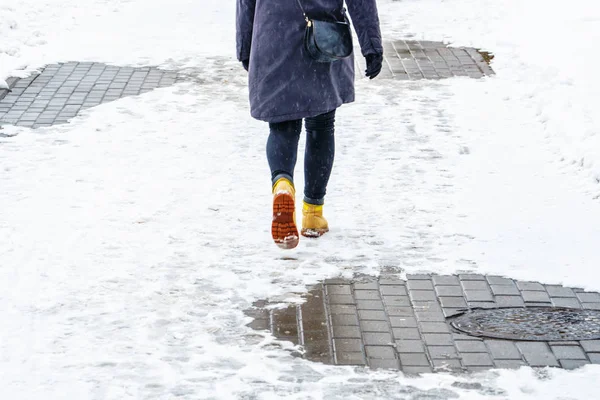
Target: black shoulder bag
x,y
327,41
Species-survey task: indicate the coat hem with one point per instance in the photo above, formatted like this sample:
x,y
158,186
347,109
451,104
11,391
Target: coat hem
x,y
298,115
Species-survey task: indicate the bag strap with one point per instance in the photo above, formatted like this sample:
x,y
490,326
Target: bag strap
x,y
303,12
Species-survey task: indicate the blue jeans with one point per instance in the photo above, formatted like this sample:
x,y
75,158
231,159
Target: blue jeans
x,y
282,152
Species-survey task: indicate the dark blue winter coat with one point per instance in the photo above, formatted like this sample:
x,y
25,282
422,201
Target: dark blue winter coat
x,y
284,82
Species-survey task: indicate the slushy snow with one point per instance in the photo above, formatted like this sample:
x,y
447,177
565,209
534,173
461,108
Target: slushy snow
x,y
132,238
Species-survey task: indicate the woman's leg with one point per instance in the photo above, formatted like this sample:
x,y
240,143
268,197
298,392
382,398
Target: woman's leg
x,y
319,155
282,149
318,162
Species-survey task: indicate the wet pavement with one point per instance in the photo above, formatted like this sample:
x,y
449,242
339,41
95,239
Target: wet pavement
x,y
421,324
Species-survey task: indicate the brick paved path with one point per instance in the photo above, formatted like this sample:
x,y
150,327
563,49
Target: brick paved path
x,y
392,323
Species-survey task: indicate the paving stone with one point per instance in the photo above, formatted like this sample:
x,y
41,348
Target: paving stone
x,y
475,285
573,364
591,306
471,277
471,346
505,290
347,345
403,322
428,316
476,360
406,333
437,339
445,280
568,302
445,352
338,289
530,286
350,358
450,312
423,295
455,291
377,339
372,315
419,285
394,291
383,363
591,346
568,352
375,326
371,285
537,297
502,349
559,291
380,352
434,327
482,304
478,295
453,302
342,309
427,306
509,364
589,297
397,301
369,305
537,354
594,358
510,301
367,295
388,280
346,332
341,299
344,319
410,346
413,359
399,311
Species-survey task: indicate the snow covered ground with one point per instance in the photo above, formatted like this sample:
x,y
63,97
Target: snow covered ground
x,y
132,238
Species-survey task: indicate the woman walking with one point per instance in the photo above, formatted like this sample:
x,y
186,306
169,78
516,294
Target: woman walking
x,y
289,83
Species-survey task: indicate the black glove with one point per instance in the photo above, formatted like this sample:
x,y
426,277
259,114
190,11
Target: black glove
x,y
245,64
374,63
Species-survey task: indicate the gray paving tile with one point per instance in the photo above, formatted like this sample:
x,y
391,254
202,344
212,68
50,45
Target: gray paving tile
x,y
347,345
591,306
369,305
568,302
453,302
449,291
568,352
471,277
372,315
413,359
530,286
434,327
450,280
409,369
420,285
399,311
510,301
559,291
380,352
371,285
338,289
423,295
344,319
573,364
428,316
510,364
410,346
341,299
443,352
478,295
438,339
471,346
507,290
399,290
443,365
594,358
475,285
537,354
476,360
346,332
397,301
591,346
502,349
535,296
377,339
342,309
383,363
375,326
350,358
589,297
403,322
367,295
406,333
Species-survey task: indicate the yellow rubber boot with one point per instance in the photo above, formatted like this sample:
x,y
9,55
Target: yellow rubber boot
x,y
313,223
283,227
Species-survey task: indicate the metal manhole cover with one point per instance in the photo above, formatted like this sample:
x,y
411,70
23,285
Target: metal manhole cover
x,y
531,323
